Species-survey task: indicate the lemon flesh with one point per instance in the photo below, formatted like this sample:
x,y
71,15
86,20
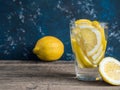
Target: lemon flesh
x,y
92,38
109,69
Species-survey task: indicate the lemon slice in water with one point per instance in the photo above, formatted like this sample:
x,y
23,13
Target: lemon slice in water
x,y
90,41
92,38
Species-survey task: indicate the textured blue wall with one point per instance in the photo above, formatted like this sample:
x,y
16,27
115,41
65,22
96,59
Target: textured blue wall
x,y
23,22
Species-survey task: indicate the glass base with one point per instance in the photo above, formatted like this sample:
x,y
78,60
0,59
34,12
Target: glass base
x,y
83,77
87,74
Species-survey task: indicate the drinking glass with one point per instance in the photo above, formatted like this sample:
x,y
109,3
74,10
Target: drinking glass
x,y
85,67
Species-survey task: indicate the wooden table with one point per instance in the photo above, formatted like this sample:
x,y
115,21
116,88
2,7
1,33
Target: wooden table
x,y
29,75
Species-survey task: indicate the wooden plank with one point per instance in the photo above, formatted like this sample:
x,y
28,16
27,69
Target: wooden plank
x,y
33,62
20,75
76,87
23,86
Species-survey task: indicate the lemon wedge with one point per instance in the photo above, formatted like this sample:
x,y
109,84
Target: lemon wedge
x,y
109,69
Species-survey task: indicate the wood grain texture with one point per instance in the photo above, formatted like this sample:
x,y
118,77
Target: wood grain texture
x,y
60,75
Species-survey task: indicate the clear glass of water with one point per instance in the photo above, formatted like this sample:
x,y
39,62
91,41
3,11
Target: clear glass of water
x,y
87,62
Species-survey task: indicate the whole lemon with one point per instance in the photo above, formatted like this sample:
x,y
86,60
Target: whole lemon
x,y
49,48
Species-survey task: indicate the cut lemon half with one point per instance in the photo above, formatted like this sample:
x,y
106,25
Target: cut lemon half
x,y
109,69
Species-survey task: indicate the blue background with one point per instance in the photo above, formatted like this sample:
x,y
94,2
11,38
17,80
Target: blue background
x,y
23,22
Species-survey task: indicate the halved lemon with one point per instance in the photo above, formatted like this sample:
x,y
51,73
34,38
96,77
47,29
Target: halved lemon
x,y
109,69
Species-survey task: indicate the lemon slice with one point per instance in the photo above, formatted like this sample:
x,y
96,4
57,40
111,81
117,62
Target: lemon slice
x,y
92,38
96,55
77,56
97,61
98,26
109,69
82,60
83,21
